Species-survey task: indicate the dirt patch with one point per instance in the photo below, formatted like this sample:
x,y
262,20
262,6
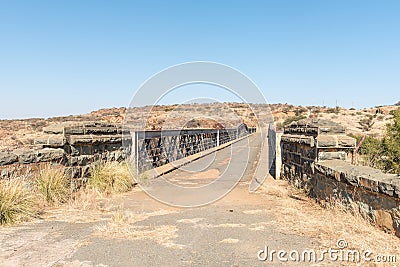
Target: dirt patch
x,y
209,174
229,241
253,211
193,220
224,162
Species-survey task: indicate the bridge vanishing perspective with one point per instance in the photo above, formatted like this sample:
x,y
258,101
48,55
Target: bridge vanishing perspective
x,y
312,154
138,231
152,149
78,146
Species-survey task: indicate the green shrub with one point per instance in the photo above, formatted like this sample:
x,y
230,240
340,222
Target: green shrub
x,y
371,151
391,145
384,154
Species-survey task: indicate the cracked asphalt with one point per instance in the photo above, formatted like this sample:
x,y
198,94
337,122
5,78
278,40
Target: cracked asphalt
x,y
145,232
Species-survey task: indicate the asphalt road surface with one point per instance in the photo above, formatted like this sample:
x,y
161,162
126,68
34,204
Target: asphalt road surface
x,y
136,230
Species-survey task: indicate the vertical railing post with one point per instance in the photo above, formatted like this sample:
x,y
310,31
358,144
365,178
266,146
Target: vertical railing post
x,y
134,151
218,137
136,138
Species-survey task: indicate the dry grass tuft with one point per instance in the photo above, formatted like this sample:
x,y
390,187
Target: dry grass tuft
x,y
52,185
299,214
85,199
111,177
123,226
277,188
16,202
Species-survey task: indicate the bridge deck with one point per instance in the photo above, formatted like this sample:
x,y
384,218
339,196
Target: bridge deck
x,y
136,230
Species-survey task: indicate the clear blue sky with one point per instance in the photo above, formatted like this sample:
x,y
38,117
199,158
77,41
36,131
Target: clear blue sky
x,y
71,57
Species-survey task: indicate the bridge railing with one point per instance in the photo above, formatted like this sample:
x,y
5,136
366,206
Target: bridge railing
x,y
155,148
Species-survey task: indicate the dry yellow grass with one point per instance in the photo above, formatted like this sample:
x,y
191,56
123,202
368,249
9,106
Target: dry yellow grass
x,y
97,199
123,226
299,214
111,177
16,201
52,185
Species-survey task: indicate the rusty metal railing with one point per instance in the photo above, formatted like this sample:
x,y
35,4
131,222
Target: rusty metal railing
x,y
155,148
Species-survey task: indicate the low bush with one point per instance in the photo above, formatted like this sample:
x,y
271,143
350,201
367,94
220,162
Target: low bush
x,y
384,153
291,119
335,110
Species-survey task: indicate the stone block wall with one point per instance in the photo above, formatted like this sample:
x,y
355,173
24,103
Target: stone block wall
x,y
77,146
371,193
314,158
307,141
22,162
71,145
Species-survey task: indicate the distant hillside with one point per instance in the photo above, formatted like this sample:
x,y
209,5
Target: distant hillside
x,y
372,121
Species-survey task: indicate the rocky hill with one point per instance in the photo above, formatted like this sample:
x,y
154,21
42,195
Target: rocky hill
x,y
372,121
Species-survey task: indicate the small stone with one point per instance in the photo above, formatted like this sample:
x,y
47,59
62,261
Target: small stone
x,y
54,129
332,155
384,220
26,156
368,183
74,130
326,141
346,141
51,154
4,173
7,158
